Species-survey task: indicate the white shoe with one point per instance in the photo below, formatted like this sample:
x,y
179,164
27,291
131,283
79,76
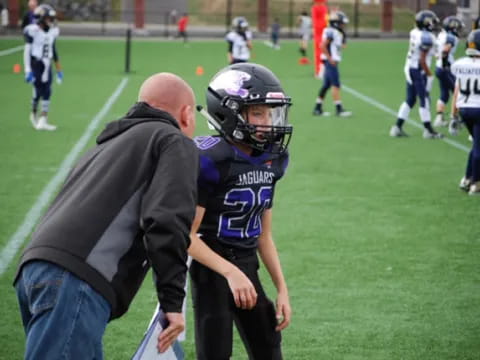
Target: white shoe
x,y
427,134
33,119
470,138
344,113
395,131
42,124
317,112
439,122
474,189
465,184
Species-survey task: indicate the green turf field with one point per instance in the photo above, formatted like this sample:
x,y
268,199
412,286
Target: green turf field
x,y
379,247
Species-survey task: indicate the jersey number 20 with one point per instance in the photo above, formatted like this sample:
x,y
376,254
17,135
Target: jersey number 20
x,y
244,221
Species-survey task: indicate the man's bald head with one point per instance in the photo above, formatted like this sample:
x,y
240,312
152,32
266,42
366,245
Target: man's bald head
x,y
170,93
32,4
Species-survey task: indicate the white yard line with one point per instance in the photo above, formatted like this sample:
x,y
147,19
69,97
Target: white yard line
x,y
386,109
11,50
33,215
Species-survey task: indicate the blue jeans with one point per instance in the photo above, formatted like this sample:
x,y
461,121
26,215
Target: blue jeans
x,y
63,317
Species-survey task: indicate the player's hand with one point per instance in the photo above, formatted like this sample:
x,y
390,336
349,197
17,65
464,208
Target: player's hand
x,y
332,62
428,87
29,77
406,70
176,324
243,291
284,311
59,77
454,125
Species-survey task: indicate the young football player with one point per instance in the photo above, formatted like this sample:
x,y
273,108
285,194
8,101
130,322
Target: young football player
x,y
418,74
333,40
238,172
447,42
466,101
239,41
304,22
39,52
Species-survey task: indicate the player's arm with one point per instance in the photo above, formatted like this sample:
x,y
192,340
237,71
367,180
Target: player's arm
x,y
248,39
268,253
26,52
243,291
445,52
454,111
423,62
56,58
325,46
58,66
450,42
230,51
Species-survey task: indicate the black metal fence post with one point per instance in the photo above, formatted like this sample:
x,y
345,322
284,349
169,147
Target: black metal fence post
x,y
356,18
127,50
228,16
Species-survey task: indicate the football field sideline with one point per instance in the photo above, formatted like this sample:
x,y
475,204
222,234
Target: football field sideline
x,y
11,50
16,240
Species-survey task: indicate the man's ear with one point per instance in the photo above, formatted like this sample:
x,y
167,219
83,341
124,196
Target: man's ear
x,y
187,120
185,116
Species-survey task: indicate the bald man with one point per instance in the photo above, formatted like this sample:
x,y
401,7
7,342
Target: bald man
x,y
126,206
29,18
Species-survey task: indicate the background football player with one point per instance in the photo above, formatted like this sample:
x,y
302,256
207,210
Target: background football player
x,y
238,173
466,100
418,74
239,41
304,22
447,42
39,51
333,40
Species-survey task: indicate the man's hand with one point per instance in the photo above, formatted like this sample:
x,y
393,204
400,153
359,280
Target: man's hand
x,y
59,77
284,311
29,78
243,291
176,324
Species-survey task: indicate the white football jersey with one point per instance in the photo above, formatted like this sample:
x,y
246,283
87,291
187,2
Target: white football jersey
x,y
41,41
336,43
305,25
420,40
240,49
443,39
467,72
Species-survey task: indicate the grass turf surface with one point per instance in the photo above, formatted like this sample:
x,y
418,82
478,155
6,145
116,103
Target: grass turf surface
x,y
378,245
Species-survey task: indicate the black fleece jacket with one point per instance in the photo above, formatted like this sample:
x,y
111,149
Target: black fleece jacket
x,y
127,205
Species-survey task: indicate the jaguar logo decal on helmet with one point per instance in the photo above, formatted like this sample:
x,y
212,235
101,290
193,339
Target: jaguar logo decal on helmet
x,y
232,82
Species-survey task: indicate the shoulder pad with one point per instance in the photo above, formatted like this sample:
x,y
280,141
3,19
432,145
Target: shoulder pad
x,y
426,39
214,147
451,39
329,33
